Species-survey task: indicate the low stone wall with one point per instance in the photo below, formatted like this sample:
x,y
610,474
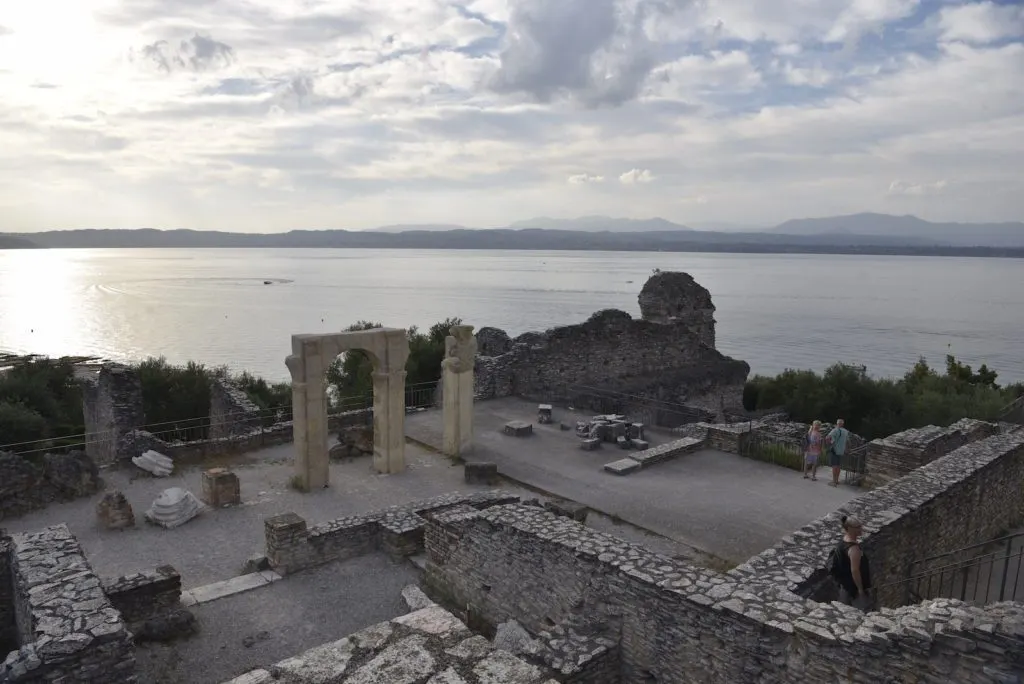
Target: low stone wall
x,y
680,623
68,629
146,594
29,484
897,455
232,412
729,438
292,546
964,498
427,645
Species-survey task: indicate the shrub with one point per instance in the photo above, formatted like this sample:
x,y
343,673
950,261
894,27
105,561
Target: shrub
x,y
20,424
879,407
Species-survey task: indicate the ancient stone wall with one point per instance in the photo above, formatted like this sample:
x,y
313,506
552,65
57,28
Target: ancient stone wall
x,y
668,355
112,405
964,498
232,412
27,484
895,456
291,545
67,628
8,623
143,595
680,623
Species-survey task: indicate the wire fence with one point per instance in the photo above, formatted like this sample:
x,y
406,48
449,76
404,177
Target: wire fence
x,y
263,426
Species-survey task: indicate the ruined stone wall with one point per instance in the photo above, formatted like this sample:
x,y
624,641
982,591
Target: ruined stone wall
x,y
613,351
964,498
68,629
291,545
143,595
112,406
8,623
893,457
231,411
680,623
669,354
27,484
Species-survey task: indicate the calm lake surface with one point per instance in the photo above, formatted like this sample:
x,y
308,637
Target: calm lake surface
x,y
774,311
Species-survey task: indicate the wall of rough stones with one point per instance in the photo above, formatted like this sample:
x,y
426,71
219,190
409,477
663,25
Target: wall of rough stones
x,y
112,406
680,623
67,628
143,595
668,354
292,545
231,411
8,623
27,484
894,456
613,351
964,498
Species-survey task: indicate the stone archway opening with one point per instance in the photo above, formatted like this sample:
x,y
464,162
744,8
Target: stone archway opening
x,y
388,350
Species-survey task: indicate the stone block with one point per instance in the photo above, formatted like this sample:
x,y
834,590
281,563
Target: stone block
x,y
590,444
568,509
154,463
114,512
220,488
481,473
636,431
623,467
640,444
623,442
564,427
518,428
544,413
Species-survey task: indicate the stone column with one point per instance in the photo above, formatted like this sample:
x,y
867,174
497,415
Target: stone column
x,y
457,391
309,415
389,421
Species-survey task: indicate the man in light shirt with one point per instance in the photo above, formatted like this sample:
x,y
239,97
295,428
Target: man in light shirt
x,y
837,440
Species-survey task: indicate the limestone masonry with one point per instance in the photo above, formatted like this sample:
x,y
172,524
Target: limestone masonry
x,y
27,484
668,354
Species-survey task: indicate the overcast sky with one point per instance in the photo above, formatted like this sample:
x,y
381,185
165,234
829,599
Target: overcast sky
x,y
266,115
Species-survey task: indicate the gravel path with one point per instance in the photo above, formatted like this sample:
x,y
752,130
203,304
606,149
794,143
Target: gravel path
x,y
261,627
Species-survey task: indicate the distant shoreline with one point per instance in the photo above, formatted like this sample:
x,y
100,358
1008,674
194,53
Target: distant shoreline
x,y
698,248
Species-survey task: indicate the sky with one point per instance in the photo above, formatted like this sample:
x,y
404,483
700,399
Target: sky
x,y
272,115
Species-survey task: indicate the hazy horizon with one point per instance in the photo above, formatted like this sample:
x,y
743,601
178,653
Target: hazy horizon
x,y
256,116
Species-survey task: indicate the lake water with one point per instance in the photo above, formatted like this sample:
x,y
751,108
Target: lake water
x,y
774,311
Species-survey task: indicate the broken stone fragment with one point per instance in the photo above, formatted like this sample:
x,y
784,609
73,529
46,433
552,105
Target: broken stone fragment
x,y
114,512
174,507
154,463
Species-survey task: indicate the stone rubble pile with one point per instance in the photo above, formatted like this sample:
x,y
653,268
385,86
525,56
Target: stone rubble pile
x,y
613,429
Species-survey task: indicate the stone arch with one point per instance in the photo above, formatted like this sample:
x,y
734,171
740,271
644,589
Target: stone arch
x,y
388,349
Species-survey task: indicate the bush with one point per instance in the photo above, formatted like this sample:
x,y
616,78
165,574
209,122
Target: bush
x,y
350,375
880,407
175,396
40,399
20,424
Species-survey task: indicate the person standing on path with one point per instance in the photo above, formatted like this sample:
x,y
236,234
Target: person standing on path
x,y
813,453
849,567
836,441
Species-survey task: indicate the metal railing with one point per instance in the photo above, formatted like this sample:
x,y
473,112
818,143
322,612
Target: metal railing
x,y
854,465
982,573
787,452
1013,412
652,412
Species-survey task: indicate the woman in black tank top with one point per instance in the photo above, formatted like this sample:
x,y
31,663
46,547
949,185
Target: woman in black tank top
x,y
854,574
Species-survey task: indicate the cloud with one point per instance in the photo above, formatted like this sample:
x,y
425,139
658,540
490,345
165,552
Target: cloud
x,y
261,115
982,22
899,187
636,176
585,178
593,50
198,53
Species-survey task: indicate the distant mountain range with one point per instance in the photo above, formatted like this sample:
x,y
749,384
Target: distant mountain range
x,y
857,234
